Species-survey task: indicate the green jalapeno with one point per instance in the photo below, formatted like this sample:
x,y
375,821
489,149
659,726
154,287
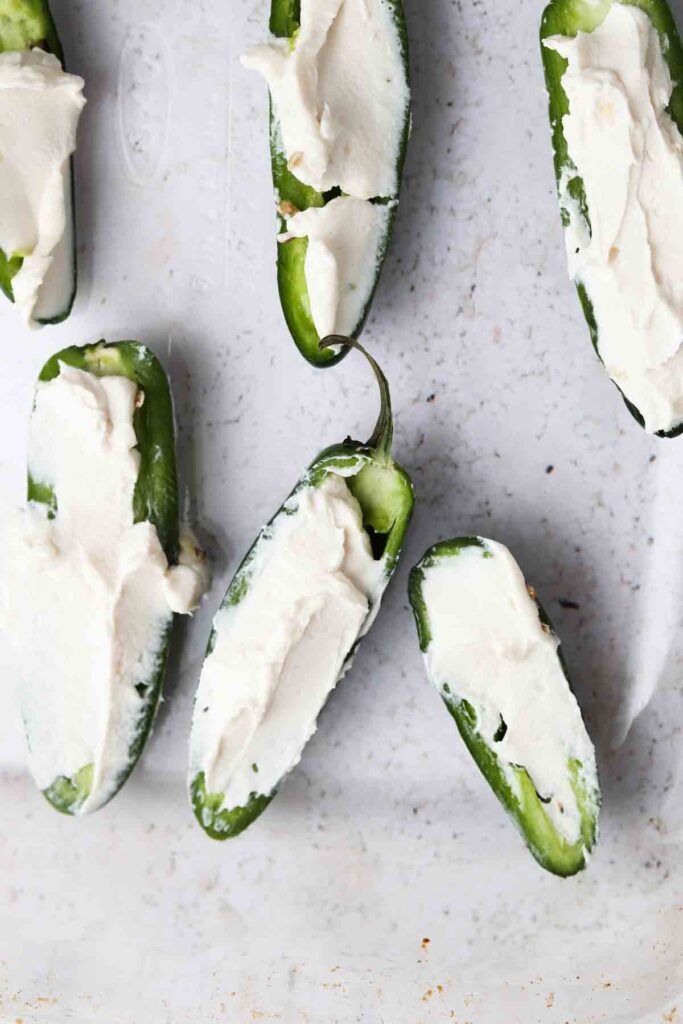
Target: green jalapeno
x,y
155,500
495,660
293,196
384,496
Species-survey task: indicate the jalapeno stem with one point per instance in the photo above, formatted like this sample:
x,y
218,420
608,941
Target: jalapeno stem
x,y
383,434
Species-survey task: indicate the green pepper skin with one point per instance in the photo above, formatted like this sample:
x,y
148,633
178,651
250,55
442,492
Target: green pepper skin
x,y
386,496
28,23
155,499
291,255
526,809
567,18
285,17
25,24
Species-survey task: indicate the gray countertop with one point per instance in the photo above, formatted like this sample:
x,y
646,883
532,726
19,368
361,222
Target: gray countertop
x,y
385,836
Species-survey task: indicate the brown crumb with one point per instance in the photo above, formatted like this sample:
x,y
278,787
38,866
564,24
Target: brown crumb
x,y
532,591
550,1000
671,1015
428,995
287,208
425,942
295,159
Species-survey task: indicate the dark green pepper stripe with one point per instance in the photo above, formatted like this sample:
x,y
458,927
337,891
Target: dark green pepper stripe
x,y
525,807
25,24
567,18
285,17
292,193
155,499
385,494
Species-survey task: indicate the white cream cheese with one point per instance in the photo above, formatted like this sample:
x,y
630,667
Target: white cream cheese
x,y
629,154
186,583
489,647
340,95
312,589
40,106
91,592
344,247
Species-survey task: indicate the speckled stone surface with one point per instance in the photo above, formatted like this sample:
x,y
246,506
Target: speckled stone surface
x,y
384,884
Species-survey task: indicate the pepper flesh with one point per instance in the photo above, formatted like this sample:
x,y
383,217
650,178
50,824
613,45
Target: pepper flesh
x,y
552,851
294,194
385,494
567,18
155,499
25,24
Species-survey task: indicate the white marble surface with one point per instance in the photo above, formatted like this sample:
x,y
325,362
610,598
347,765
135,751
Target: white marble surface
x,y
385,836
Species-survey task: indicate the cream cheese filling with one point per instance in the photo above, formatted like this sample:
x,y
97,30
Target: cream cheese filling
x,y
629,154
40,106
344,246
340,97
489,647
91,591
312,589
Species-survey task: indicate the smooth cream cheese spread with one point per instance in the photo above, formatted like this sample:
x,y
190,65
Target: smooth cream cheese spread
x,y
628,152
311,589
489,647
40,106
92,593
340,97
344,245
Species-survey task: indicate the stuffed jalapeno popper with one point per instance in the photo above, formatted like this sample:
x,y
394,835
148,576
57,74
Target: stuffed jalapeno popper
x,y
98,567
40,106
306,593
614,73
338,78
492,654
